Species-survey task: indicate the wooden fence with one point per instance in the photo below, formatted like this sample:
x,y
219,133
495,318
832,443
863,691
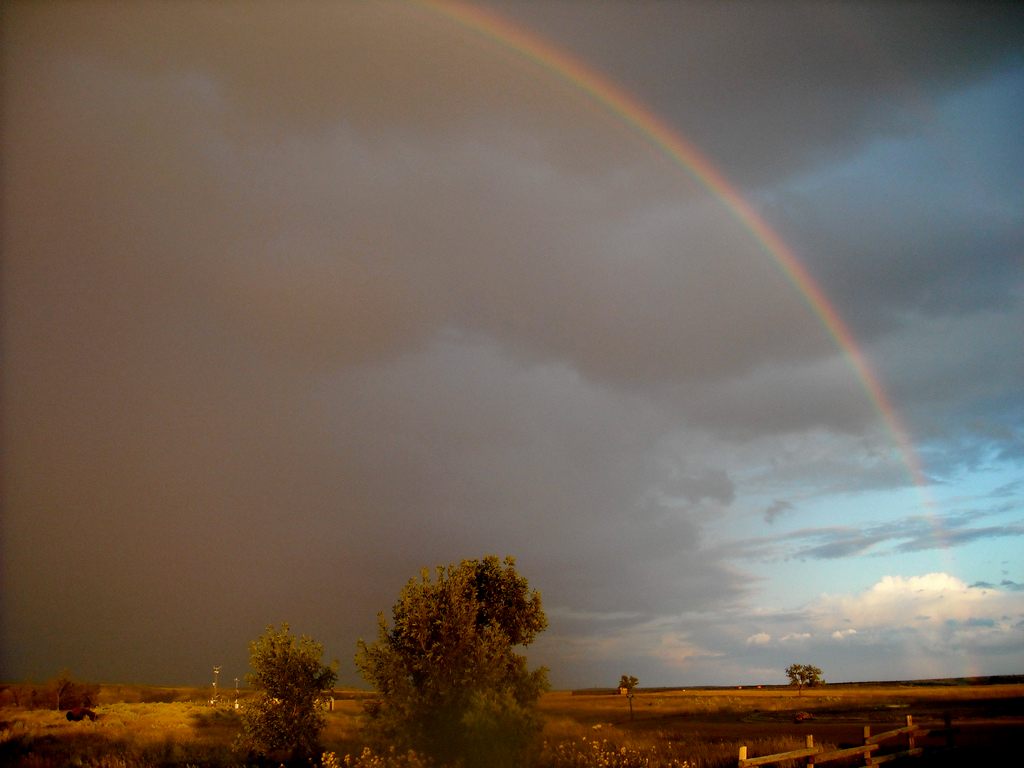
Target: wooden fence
x,y
908,735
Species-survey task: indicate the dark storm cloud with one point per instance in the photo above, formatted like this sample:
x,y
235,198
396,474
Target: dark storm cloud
x,y
934,225
300,300
867,121
821,78
243,355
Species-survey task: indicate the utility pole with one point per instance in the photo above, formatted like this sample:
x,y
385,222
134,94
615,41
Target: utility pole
x,y
216,676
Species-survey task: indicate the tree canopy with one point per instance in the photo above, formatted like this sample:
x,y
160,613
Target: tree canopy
x,y
450,682
804,675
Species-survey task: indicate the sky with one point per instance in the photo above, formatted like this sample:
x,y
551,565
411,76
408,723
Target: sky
x,y
709,314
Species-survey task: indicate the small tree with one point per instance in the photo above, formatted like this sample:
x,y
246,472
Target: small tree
x,y
802,675
628,683
451,685
64,692
288,676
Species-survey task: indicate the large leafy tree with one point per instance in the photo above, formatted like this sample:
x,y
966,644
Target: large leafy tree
x,y
451,683
288,675
804,675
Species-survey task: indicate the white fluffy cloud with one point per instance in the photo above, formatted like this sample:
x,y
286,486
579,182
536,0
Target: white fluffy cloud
x,y
795,637
931,599
934,611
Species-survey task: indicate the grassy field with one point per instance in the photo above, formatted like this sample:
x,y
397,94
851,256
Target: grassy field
x,y
708,726
139,726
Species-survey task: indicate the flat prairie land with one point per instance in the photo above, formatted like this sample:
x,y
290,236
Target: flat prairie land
x,y
702,728
882,702
989,718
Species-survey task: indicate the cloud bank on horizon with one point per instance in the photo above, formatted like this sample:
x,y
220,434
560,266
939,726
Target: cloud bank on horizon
x,y
297,301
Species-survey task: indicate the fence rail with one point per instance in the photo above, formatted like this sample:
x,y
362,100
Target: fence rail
x,y
816,755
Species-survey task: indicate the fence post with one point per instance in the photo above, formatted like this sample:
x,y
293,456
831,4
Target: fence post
x,y
910,735
867,755
810,745
743,755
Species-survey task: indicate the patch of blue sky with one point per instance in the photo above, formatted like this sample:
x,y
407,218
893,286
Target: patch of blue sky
x,y
845,543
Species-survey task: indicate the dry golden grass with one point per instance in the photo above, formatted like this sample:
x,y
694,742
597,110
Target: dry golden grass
x,y
595,708
706,727
128,734
696,728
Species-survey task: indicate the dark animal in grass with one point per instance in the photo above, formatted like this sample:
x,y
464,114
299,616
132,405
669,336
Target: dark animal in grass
x,y
80,713
800,717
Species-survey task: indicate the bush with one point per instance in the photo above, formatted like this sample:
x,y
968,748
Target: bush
x,y
450,684
284,716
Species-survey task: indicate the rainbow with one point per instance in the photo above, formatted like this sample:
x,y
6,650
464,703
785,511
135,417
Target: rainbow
x,y
649,125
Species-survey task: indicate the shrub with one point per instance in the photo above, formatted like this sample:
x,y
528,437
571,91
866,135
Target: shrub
x,y
284,716
451,685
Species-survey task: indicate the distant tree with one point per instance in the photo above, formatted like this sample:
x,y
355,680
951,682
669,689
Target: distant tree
x,y
629,683
288,676
61,685
451,685
804,675
64,692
